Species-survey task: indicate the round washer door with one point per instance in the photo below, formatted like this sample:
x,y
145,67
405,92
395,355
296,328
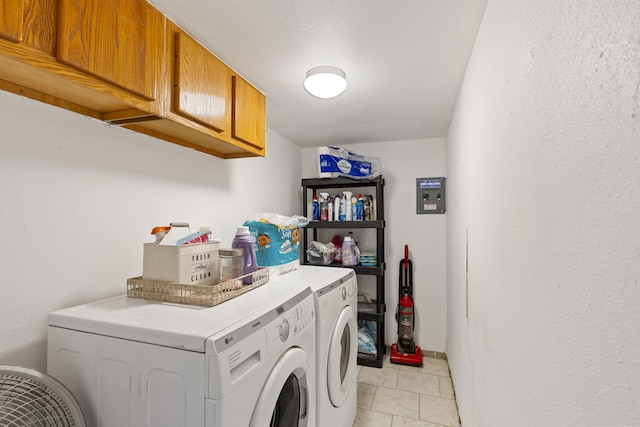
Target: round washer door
x,y
343,350
285,397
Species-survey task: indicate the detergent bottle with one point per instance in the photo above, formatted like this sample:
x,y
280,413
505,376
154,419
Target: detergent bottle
x,y
350,252
245,241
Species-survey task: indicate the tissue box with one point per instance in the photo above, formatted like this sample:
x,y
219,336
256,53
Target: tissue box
x,y
194,264
277,247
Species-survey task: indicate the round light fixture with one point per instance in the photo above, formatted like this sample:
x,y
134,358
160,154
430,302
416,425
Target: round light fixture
x,y
325,82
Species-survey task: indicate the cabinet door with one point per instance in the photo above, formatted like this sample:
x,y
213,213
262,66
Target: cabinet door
x,y
249,113
12,20
120,41
202,85
29,22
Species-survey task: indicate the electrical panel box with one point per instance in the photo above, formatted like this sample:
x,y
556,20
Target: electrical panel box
x,y
430,195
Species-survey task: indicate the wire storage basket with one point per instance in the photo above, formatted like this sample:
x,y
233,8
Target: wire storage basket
x,y
30,398
204,295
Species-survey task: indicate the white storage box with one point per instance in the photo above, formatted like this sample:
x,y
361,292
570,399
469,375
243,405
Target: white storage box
x,y
195,264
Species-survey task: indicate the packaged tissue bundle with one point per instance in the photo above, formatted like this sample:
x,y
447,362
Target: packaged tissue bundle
x,y
277,241
334,162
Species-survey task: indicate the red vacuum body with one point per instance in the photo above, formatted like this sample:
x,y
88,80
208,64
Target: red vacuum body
x,y
405,351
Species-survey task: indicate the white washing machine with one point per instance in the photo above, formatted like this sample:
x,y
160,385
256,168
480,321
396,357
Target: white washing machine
x,y
336,299
247,362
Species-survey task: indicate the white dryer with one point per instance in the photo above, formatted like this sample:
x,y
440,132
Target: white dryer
x,y
336,298
247,362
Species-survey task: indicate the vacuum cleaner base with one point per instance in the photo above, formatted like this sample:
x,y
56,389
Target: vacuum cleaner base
x,y
411,359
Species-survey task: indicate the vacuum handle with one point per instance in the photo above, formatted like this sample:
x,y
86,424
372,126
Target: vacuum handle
x,y
405,280
406,256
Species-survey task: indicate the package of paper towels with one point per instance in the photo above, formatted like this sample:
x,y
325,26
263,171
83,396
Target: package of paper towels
x,y
334,162
277,241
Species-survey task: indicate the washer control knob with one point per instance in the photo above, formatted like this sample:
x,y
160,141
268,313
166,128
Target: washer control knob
x,y
344,294
284,330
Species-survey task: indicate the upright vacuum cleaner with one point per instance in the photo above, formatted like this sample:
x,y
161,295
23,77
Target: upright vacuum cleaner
x,y
405,351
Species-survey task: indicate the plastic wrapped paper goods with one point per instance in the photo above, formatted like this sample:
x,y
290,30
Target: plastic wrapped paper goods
x,y
277,241
320,253
334,162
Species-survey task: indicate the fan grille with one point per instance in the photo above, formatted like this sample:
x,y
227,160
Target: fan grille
x,y
26,402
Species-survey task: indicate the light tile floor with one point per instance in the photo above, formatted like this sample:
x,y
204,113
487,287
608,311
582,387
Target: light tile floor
x,y
399,395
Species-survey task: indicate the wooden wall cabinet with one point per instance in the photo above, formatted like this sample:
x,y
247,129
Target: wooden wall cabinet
x,y
249,113
120,41
123,62
209,93
199,107
30,23
12,20
202,84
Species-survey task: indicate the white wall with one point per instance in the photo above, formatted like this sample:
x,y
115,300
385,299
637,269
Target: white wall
x,y
544,165
404,161
79,198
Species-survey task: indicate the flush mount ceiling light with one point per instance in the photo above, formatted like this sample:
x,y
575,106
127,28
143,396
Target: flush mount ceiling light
x,y
325,82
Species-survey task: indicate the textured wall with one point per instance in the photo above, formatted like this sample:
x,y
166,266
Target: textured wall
x,y
544,166
79,198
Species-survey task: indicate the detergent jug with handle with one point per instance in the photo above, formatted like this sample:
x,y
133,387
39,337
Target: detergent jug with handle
x,y
350,252
247,243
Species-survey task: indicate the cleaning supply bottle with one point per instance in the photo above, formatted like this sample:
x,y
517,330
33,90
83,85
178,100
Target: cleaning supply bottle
x,y
160,232
330,209
343,208
208,232
324,207
245,241
354,208
316,209
336,207
350,252
360,209
373,208
367,207
347,206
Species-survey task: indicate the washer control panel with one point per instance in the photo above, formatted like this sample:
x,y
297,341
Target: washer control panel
x,y
281,323
291,323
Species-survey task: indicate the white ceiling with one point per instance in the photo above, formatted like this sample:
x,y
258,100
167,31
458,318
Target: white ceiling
x,y
404,61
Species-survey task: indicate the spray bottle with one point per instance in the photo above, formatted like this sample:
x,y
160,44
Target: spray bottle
x,y
347,206
324,207
336,207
